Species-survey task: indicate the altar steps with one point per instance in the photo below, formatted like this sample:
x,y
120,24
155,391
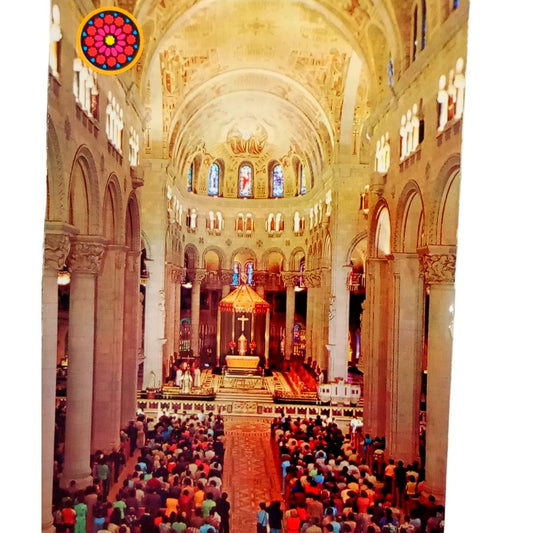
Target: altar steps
x,y
256,396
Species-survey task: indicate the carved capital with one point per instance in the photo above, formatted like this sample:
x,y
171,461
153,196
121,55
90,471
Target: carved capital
x,y
57,242
438,268
226,277
197,276
86,255
313,278
260,278
290,279
176,274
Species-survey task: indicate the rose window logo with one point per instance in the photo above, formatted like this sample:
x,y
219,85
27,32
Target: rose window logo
x,y
109,40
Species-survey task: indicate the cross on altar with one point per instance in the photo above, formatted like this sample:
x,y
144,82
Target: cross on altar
x,y
242,320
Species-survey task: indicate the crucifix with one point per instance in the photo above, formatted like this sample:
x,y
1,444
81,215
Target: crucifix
x,y
242,320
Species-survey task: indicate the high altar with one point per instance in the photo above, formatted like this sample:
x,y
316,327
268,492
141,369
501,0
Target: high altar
x,y
243,325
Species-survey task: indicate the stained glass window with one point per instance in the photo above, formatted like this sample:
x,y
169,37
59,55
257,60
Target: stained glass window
x,y
236,274
249,273
455,4
189,179
213,180
424,26
277,181
415,32
245,181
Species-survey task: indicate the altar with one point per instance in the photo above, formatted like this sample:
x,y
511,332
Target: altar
x,y
243,327
237,362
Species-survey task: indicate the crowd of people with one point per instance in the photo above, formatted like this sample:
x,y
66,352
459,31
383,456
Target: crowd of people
x,y
176,484
336,482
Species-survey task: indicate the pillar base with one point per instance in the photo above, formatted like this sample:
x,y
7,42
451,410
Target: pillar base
x,y
48,528
81,483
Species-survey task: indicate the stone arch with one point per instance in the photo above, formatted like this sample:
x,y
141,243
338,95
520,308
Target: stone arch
x,y
266,257
294,260
84,206
410,231
444,214
191,256
380,231
112,216
219,252
132,238
358,249
56,197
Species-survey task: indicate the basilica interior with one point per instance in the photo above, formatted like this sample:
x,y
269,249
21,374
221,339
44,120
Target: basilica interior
x,y
309,150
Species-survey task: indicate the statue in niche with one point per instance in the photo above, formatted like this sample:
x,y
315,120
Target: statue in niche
x,y
415,122
386,153
409,132
377,165
452,95
459,84
403,138
442,99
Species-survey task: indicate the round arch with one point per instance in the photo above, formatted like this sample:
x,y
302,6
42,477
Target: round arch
x,y
84,196
410,232
56,198
219,252
379,243
112,215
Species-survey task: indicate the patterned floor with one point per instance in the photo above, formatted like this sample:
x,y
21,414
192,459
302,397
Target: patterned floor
x,y
250,471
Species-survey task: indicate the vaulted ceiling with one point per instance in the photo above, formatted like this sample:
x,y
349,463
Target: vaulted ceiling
x,y
238,78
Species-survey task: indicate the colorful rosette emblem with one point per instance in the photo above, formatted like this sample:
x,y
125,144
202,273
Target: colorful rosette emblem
x,y
109,40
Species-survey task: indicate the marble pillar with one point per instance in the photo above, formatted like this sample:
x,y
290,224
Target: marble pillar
x,y
197,277
56,249
339,322
226,277
84,263
404,373
154,321
438,265
290,279
170,318
107,386
177,278
379,316
131,346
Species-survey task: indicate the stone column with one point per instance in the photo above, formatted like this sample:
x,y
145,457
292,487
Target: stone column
x,y
84,264
438,264
339,322
170,312
107,388
312,281
404,374
154,321
226,277
177,279
260,281
131,346
56,249
377,343
197,277
290,279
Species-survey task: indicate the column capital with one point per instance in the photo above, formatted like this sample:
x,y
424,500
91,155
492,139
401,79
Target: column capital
x,y
313,278
177,273
437,264
86,254
226,277
57,242
260,277
197,275
290,279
